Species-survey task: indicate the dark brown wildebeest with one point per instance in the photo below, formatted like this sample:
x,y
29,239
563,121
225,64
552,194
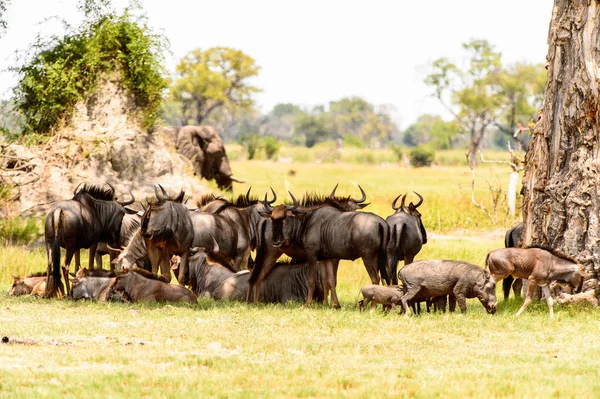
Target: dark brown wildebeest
x,y
513,239
91,216
138,285
34,284
320,233
427,279
407,234
167,230
540,266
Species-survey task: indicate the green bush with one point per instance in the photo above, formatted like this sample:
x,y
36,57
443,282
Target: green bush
x,y
63,71
271,146
251,144
397,150
421,156
352,141
19,231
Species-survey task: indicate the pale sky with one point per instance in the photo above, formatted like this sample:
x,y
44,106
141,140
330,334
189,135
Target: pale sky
x,y
313,52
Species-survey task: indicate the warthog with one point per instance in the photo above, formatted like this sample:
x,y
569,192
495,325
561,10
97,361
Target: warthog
x,y
378,294
539,265
433,278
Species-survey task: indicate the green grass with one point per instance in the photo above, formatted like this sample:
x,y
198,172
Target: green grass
x,y
225,349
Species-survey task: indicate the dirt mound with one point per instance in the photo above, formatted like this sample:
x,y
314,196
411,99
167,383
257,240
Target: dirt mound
x,y
102,143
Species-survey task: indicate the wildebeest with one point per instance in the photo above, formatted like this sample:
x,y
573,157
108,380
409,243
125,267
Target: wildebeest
x,y
29,285
538,265
378,294
91,216
138,285
167,230
92,288
129,226
434,278
407,234
320,233
513,239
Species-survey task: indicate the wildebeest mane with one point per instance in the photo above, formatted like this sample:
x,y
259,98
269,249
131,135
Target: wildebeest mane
x,y
242,201
207,199
314,200
555,252
98,192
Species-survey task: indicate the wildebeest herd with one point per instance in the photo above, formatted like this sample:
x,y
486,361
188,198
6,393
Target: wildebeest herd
x,y
209,249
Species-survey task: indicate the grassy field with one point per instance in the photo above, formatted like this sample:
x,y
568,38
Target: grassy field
x,y
224,349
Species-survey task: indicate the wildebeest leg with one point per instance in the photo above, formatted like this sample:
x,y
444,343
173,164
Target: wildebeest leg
x,y
98,261
77,261
312,273
183,267
531,286
92,256
324,274
68,258
165,265
506,285
263,269
517,287
334,269
549,301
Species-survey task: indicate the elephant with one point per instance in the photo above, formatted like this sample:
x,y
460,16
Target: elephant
x,y
204,148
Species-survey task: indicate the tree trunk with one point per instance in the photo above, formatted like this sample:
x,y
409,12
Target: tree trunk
x,y
560,187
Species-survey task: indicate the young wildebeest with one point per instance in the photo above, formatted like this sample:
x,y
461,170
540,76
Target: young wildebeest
x,y
34,284
407,234
539,266
434,278
91,216
138,285
378,294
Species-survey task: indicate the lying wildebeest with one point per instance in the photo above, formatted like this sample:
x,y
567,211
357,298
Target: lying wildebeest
x,y
92,288
513,239
433,278
378,294
538,265
407,234
34,284
321,232
135,255
91,216
138,285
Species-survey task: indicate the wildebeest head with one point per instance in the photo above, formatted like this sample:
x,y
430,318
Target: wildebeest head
x,y
279,215
163,217
411,210
19,287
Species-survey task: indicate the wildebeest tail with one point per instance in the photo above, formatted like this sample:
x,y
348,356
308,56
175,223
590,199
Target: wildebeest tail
x,y
54,280
382,253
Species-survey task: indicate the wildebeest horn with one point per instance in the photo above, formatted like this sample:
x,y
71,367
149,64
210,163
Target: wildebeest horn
x,y
267,205
215,245
394,203
144,207
364,195
402,202
333,192
158,195
420,199
131,201
76,188
274,196
235,179
111,187
248,194
166,194
295,206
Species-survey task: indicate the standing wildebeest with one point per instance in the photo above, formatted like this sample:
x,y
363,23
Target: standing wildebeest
x,y
167,230
427,279
91,216
138,285
538,265
407,234
513,239
323,232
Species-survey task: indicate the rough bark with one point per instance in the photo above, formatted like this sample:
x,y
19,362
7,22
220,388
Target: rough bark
x,y
560,187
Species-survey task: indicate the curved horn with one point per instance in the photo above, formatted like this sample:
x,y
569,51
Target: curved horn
x,y
402,202
267,205
111,187
295,206
215,245
131,201
166,194
420,199
235,179
76,188
274,196
248,194
364,195
158,195
394,207
333,192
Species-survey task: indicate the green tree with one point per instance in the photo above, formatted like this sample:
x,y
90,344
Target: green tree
x,y
430,129
211,79
313,127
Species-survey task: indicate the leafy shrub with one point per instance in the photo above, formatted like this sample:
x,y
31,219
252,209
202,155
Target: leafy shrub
x,y
19,231
251,144
271,146
352,141
397,150
64,70
421,156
